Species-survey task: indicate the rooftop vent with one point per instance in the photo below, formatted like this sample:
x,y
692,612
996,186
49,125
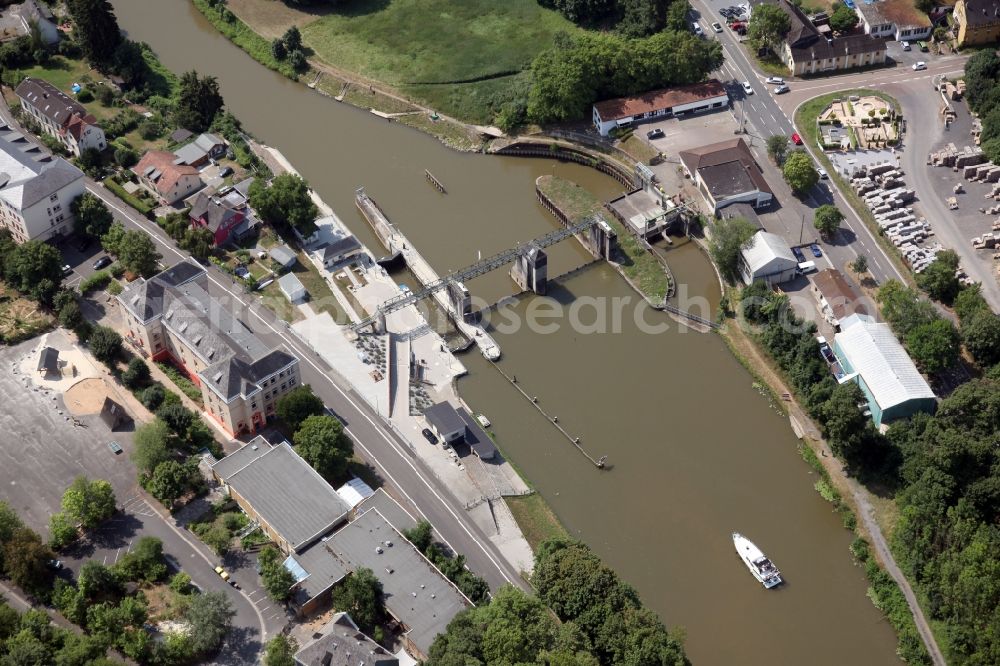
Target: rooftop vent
x,y
217,378
388,570
253,447
183,327
378,549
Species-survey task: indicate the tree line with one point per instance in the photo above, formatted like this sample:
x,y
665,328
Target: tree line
x,y
982,78
582,615
631,18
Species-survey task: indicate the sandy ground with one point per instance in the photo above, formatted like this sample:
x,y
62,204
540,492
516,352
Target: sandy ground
x,y
87,396
74,366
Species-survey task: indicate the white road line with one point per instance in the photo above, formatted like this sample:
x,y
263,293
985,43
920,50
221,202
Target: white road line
x,y
376,426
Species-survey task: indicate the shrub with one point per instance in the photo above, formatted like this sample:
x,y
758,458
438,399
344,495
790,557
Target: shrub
x,y
98,280
136,374
152,397
85,96
115,288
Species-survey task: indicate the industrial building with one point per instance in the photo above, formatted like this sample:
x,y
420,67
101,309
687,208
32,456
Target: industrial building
x,y
726,173
872,357
767,258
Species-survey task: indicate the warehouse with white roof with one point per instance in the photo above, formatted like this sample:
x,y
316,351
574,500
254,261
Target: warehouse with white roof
x,y
767,258
871,356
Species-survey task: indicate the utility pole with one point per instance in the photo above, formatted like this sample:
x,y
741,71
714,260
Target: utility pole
x,y
802,228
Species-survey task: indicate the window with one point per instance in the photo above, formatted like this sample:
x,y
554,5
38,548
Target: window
x,y
57,208
291,383
60,217
253,405
282,386
54,197
281,374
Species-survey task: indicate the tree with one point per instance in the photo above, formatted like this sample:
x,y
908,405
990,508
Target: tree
x,y
198,102
95,29
62,530
89,502
169,481
297,59
209,616
843,18
285,201
26,561
729,237
292,39
278,49
799,171
322,443
137,253
105,344
361,597
97,582
767,27
34,268
177,417
70,315
940,279
92,217
297,405
9,524
144,563
218,538
981,335
860,265
112,239
136,374
280,651
827,219
276,578
844,422
150,448
934,345
777,148
421,535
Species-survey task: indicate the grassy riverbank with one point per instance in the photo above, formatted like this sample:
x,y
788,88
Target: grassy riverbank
x,y
535,518
805,121
638,264
243,36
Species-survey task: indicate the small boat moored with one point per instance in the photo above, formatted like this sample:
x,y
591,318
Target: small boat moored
x,y
760,566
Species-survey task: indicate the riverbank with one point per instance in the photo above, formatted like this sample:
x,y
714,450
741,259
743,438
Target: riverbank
x,y
637,264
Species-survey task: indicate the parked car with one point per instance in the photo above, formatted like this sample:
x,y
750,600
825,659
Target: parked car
x,y
747,88
918,66
223,574
798,255
66,270
697,29
716,27
115,447
815,250
905,45
780,90
922,45
225,171
776,80
56,564
796,139
103,262
429,436
822,173
654,134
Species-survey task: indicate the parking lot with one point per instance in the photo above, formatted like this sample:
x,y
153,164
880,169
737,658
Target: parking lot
x,y
44,447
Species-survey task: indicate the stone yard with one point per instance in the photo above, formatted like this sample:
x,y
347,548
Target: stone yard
x,y
869,122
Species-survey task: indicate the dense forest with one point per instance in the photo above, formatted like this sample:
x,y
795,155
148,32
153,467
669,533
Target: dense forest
x,y
982,78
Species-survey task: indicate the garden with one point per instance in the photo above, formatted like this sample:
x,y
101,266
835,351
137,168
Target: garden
x,y
862,122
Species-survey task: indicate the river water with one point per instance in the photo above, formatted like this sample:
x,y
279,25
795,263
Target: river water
x,y
695,452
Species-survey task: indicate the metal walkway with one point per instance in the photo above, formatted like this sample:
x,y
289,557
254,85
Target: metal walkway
x,y
481,267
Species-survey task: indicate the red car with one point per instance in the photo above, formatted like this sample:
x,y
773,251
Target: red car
x,y
796,139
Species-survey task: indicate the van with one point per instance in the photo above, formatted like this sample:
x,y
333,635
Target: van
x,y
807,267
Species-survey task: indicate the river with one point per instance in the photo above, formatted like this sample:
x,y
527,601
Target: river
x,y
695,452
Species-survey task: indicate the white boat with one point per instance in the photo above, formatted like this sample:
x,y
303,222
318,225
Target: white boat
x,y
762,568
483,421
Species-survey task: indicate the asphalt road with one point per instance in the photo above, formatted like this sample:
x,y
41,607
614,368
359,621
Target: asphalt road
x,y
375,442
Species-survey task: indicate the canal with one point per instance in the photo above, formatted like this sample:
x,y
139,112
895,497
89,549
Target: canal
x,y
696,452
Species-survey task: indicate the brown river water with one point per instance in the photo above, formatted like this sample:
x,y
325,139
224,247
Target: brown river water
x,y
695,452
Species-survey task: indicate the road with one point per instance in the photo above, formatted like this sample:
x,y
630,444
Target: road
x,y
768,114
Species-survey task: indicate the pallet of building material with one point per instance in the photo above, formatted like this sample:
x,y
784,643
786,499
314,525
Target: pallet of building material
x,y
992,175
883,167
969,157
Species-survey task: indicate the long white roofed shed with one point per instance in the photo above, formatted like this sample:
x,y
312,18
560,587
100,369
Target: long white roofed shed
x,y
768,258
871,356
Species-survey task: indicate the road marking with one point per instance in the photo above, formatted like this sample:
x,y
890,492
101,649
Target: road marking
x,y
101,194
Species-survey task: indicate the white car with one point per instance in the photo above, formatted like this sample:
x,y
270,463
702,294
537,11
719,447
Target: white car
x,y
716,27
917,66
905,45
780,90
697,29
777,80
746,88
822,173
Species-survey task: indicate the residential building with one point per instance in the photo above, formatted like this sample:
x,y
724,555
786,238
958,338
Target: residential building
x,y
169,181
199,152
179,135
172,316
455,425
895,19
339,251
836,298
659,104
767,258
978,21
806,51
341,643
292,288
282,493
872,357
35,191
726,173
16,21
222,215
61,116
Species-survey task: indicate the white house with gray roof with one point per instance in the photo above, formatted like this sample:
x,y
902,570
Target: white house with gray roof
x,y
61,116
769,258
172,316
36,190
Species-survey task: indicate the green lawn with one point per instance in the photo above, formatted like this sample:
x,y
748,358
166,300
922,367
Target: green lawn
x,y
535,518
63,73
411,43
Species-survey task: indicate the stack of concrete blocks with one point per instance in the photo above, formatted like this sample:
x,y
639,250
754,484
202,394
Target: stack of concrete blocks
x,y
920,258
951,156
987,241
984,173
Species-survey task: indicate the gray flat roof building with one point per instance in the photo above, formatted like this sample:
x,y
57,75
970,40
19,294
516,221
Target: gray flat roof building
x,y
282,492
341,643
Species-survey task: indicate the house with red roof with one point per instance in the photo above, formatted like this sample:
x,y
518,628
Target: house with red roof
x,y
169,181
